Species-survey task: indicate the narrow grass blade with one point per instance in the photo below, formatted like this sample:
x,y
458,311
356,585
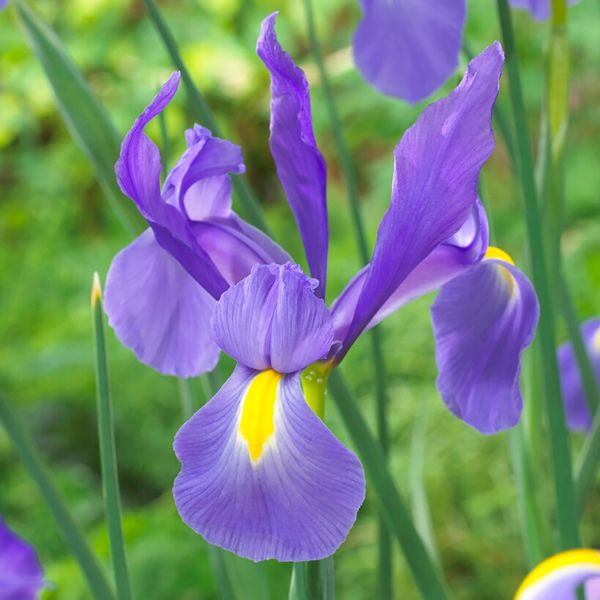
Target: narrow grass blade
x,y
250,207
313,580
30,457
299,582
81,110
568,512
587,466
391,504
108,451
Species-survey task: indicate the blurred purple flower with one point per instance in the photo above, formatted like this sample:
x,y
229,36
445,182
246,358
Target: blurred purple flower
x,y
409,48
578,414
3,4
21,576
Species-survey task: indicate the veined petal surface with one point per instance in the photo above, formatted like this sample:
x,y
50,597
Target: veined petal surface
x,y
160,312
409,48
295,500
436,168
300,165
577,410
21,576
272,319
482,321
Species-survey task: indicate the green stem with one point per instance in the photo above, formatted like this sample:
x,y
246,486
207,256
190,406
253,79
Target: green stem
x,y
568,512
251,207
37,471
385,558
391,505
108,452
588,461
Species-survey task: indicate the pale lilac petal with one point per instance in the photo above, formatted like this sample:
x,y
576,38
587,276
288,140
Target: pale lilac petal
x,y
436,169
539,9
300,166
448,260
21,575
3,4
409,48
577,409
482,322
160,312
296,502
272,319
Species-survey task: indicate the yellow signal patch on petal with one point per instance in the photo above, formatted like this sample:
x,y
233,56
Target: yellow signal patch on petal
x,y
596,340
257,424
499,254
551,570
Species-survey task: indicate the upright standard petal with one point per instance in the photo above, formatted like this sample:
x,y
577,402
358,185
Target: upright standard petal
x,y
272,319
558,577
434,189
138,173
409,48
482,321
21,576
262,476
539,9
577,410
160,312
300,166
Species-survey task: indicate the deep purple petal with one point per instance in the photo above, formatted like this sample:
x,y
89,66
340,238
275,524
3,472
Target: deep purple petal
x,y
159,311
272,319
436,168
576,406
300,166
539,9
482,321
448,260
21,575
296,502
409,48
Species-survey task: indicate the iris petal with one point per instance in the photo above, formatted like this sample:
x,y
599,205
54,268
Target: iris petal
x,y
539,9
300,166
160,312
482,321
296,502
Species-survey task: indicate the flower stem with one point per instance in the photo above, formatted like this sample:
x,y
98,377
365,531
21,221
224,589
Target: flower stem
x,y
385,559
108,452
561,457
30,457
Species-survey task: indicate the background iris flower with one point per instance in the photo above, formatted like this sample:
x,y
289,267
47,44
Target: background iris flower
x,y
577,410
21,575
409,48
163,290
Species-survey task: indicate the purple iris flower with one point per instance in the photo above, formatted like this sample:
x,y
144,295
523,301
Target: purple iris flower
x,y
409,48
3,4
579,417
21,576
261,474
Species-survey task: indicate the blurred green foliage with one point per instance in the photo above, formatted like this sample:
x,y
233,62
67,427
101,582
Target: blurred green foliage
x,y
56,229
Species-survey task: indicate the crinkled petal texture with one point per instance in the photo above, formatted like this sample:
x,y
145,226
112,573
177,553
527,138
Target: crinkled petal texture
x,y
296,501
272,319
21,575
409,48
159,311
434,189
578,414
539,9
482,321
300,166
448,260
558,577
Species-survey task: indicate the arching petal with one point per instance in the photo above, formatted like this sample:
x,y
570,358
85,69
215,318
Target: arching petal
x,y
434,189
272,319
577,409
409,48
160,312
447,261
291,494
558,577
482,321
539,9
300,166
21,575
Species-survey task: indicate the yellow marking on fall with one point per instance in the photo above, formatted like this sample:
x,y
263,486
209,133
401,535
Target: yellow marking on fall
x,y
257,424
596,340
499,254
570,558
